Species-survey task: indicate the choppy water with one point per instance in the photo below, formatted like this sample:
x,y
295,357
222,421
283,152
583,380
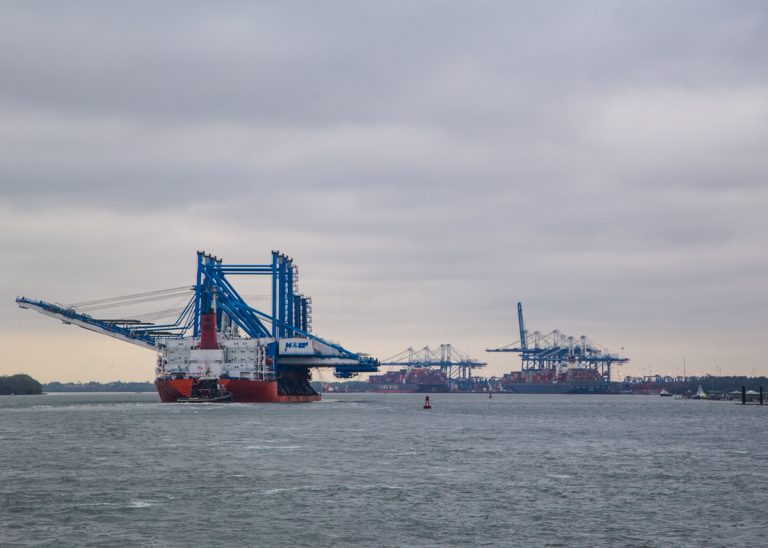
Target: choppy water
x,y
377,470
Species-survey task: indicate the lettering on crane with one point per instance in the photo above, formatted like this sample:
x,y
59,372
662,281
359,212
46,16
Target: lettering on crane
x,y
297,347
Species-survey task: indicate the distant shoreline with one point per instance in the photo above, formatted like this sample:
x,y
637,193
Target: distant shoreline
x,y
115,386
95,393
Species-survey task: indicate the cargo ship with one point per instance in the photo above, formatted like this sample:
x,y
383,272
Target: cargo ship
x,y
242,367
221,348
415,379
568,380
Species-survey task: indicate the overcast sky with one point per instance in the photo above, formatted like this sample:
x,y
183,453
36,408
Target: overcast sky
x,y
427,164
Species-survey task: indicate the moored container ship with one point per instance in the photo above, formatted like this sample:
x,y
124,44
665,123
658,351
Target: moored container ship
x,y
415,379
573,380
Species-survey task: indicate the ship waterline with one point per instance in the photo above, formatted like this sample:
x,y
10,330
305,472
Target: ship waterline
x,y
243,391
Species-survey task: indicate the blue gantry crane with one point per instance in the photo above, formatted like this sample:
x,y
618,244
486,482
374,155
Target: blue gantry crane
x,y
548,351
289,318
454,364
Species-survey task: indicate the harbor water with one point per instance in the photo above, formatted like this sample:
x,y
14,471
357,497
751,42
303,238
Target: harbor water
x,y
378,470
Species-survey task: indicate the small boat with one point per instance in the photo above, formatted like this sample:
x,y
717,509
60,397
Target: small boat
x,y
207,391
700,394
226,398
664,393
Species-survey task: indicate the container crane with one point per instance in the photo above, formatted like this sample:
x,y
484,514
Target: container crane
x,y
545,354
454,364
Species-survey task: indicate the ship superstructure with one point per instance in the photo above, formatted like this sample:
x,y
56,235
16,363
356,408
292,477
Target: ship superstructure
x,y
217,336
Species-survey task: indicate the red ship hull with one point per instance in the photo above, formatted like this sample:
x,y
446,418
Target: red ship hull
x,y
243,391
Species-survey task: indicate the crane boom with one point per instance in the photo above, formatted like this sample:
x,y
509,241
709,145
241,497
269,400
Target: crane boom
x,y
523,341
71,316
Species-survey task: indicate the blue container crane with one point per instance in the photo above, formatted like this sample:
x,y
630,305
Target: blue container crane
x,y
290,316
548,351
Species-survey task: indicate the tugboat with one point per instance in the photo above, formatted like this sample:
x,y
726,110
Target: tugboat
x,y
700,394
664,393
207,390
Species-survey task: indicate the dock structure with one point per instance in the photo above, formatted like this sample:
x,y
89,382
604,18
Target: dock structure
x,y
553,351
455,365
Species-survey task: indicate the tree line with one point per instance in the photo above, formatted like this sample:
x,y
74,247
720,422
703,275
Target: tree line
x,y
92,386
20,384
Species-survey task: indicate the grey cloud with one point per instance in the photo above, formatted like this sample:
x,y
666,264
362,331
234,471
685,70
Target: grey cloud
x,y
293,65
427,164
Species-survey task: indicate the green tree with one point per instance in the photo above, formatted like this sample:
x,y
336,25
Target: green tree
x,y
19,384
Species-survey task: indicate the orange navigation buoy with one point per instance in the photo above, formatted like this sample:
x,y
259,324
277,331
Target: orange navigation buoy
x,y
427,405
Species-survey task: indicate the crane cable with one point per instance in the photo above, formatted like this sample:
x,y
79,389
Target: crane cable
x,y
160,292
